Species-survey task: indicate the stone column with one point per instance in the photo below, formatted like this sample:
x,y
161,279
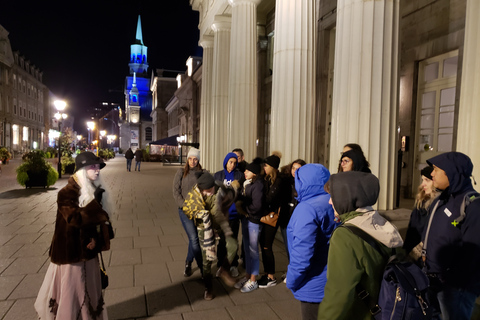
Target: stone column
x,y
364,108
206,123
293,80
469,111
217,146
242,100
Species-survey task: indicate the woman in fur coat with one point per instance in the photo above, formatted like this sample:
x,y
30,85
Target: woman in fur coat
x,y
72,287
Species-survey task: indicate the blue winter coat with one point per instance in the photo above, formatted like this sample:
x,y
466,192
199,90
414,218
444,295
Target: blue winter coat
x,y
453,249
308,234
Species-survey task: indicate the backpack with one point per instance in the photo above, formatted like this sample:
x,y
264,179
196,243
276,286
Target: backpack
x,y
403,287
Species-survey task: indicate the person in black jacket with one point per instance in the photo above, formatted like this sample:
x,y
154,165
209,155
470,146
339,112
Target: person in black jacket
x,y
129,156
451,242
419,217
251,205
138,159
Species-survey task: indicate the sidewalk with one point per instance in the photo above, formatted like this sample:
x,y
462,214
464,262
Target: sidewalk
x,y
145,264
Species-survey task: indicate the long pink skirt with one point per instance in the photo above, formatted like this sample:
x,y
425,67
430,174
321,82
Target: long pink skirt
x,y
72,291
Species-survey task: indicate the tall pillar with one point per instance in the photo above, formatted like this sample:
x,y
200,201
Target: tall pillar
x,y
293,81
206,123
469,110
242,100
364,108
217,146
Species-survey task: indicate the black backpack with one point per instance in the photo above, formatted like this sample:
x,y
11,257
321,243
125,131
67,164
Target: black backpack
x,y
403,287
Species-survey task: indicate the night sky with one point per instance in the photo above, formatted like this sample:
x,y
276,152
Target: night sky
x,y
83,47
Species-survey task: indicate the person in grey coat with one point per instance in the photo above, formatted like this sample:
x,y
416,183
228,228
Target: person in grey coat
x,y
183,183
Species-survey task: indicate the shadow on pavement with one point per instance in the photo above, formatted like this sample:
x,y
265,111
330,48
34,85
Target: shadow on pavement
x,y
23,193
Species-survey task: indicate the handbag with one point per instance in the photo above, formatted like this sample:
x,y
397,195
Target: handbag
x,y
271,218
103,274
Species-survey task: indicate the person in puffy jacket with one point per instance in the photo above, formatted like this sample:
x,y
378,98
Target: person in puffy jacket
x,y
308,233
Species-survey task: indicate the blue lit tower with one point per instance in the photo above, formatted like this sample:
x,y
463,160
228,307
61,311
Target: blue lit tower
x,y
138,102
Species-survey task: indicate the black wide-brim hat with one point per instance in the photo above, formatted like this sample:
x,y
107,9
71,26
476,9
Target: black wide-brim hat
x,y
85,159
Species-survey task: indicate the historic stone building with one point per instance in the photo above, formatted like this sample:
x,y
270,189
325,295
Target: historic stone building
x,y
307,77
25,108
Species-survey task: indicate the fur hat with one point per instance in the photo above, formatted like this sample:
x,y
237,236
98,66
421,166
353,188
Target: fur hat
x,y
204,180
194,152
85,159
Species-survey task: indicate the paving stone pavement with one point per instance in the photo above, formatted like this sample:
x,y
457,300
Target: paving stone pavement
x,y
146,260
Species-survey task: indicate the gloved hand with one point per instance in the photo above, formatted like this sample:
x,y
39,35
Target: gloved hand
x,y
98,194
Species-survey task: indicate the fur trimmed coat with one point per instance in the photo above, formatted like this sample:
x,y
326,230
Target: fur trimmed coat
x,y
76,226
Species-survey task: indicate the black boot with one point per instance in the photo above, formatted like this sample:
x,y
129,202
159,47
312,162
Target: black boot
x,y
208,294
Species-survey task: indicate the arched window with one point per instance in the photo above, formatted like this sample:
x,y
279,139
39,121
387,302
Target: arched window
x,y
148,134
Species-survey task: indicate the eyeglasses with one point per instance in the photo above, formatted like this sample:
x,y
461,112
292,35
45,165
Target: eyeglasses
x,y
345,161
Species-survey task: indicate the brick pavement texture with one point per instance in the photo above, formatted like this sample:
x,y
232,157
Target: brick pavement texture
x,y
145,263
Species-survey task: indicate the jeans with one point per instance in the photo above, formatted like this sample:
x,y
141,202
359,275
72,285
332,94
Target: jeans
x,y
194,250
129,164
137,164
266,243
456,304
251,232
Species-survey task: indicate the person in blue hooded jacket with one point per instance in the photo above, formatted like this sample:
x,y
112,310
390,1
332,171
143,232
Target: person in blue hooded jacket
x,y
226,176
451,250
308,234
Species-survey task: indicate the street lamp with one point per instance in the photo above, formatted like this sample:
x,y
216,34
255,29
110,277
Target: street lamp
x,y
60,106
111,139
79,140
181,139
90,127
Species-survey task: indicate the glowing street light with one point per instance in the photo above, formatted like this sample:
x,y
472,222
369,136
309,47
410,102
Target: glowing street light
x,y
60,106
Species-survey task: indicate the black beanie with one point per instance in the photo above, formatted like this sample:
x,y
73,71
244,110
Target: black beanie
x,y
255,166
273,161
427,172
205,180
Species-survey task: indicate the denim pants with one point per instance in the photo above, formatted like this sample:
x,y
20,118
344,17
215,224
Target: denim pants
x,y
137,164
194,250
456,304
250,233
129,164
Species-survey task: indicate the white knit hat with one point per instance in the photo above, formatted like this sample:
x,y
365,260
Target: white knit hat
x,y
194,152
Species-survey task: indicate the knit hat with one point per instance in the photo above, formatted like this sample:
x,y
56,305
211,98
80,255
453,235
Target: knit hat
x,y
427,172
194,152
255,166
204,180
85,159
273,161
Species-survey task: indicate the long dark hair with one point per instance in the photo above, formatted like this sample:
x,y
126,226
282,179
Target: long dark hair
x,y
362,161
186,169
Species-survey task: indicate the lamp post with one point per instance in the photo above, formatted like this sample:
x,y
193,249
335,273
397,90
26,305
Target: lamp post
x,y
60,106
91,127
79,140
103,133
181,139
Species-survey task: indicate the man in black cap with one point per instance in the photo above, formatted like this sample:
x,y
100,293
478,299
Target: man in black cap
x,y
204,205
451,250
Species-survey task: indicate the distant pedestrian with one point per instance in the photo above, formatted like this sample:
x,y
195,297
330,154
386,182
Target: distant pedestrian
x,y
183,183
138,159
72,287
129,156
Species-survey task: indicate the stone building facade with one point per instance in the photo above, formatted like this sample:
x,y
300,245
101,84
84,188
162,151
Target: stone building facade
x,y
308,77
25,107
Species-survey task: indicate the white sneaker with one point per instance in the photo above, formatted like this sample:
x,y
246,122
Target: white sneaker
x,y
240,283
249,286
234,272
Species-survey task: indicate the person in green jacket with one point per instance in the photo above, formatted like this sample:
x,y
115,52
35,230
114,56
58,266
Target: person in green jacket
x,y
208,207
352,261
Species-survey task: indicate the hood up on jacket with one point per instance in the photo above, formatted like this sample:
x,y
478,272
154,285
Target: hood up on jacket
x,y
352,190
310,180
458,167
228,157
